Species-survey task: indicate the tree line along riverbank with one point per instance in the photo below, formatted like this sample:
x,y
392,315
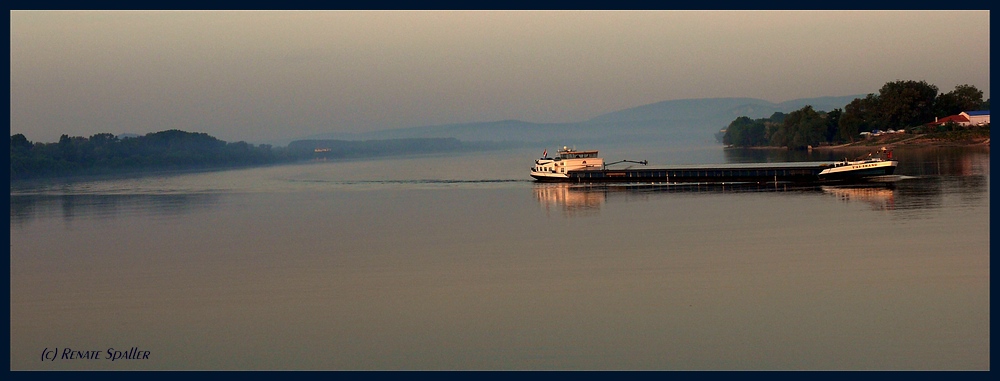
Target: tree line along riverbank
x,y
901,107
176,150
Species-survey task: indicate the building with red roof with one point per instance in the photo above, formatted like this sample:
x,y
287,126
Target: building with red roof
x,y
964,118
959,119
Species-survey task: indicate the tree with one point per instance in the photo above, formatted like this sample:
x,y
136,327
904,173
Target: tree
x,y
803,128
963,98
20,155
833,125
100,140
745,132
859,116
906,103
67,151
19,142
778,117
105,153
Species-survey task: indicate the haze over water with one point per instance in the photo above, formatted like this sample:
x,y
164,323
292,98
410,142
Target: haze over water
x,y
462,262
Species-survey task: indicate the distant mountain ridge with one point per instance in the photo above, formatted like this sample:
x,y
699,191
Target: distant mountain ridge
x,y
681,121
730,108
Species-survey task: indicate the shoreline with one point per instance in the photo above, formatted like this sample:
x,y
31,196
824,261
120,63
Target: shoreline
x,y
920,140
894,141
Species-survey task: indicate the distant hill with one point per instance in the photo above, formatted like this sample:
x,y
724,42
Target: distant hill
x,y
683,109
683,121
500,131
331,148
722,110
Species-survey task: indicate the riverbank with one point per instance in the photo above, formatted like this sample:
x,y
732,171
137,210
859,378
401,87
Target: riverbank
x,y
961,138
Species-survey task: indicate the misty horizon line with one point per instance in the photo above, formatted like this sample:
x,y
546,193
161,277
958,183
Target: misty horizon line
x,y
588,120
346,134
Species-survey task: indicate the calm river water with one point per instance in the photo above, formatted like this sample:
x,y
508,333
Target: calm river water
x,y
461,262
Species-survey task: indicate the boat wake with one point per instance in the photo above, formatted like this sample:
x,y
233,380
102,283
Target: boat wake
x,y
413,181
888,178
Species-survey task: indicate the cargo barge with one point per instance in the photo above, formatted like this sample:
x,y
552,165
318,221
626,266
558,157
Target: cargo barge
x,y
588,167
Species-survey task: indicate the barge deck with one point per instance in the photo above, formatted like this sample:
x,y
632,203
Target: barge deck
x,y
720,173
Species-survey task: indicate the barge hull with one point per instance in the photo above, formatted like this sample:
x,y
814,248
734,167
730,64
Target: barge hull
x,y
871,172
762,174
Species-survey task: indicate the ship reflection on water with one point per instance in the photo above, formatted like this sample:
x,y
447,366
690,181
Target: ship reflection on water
x,y
571,199
881,197
575,200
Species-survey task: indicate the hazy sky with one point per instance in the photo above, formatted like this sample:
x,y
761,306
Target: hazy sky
x,y
258,76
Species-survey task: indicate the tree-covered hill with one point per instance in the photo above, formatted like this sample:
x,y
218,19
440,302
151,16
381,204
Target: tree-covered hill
x,y
106,154
899,105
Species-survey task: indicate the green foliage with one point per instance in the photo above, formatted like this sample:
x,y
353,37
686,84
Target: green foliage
x,y
898,105
797,129
105,153
778,117
801,128
19,142
950,126
860,115
906,103
744,132
963,98
833,125
175,149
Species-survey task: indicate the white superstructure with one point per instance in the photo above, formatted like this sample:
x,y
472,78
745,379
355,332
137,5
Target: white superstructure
x,y
569,159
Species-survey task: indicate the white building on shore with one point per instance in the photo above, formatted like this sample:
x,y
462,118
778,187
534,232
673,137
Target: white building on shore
x,y
977,118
